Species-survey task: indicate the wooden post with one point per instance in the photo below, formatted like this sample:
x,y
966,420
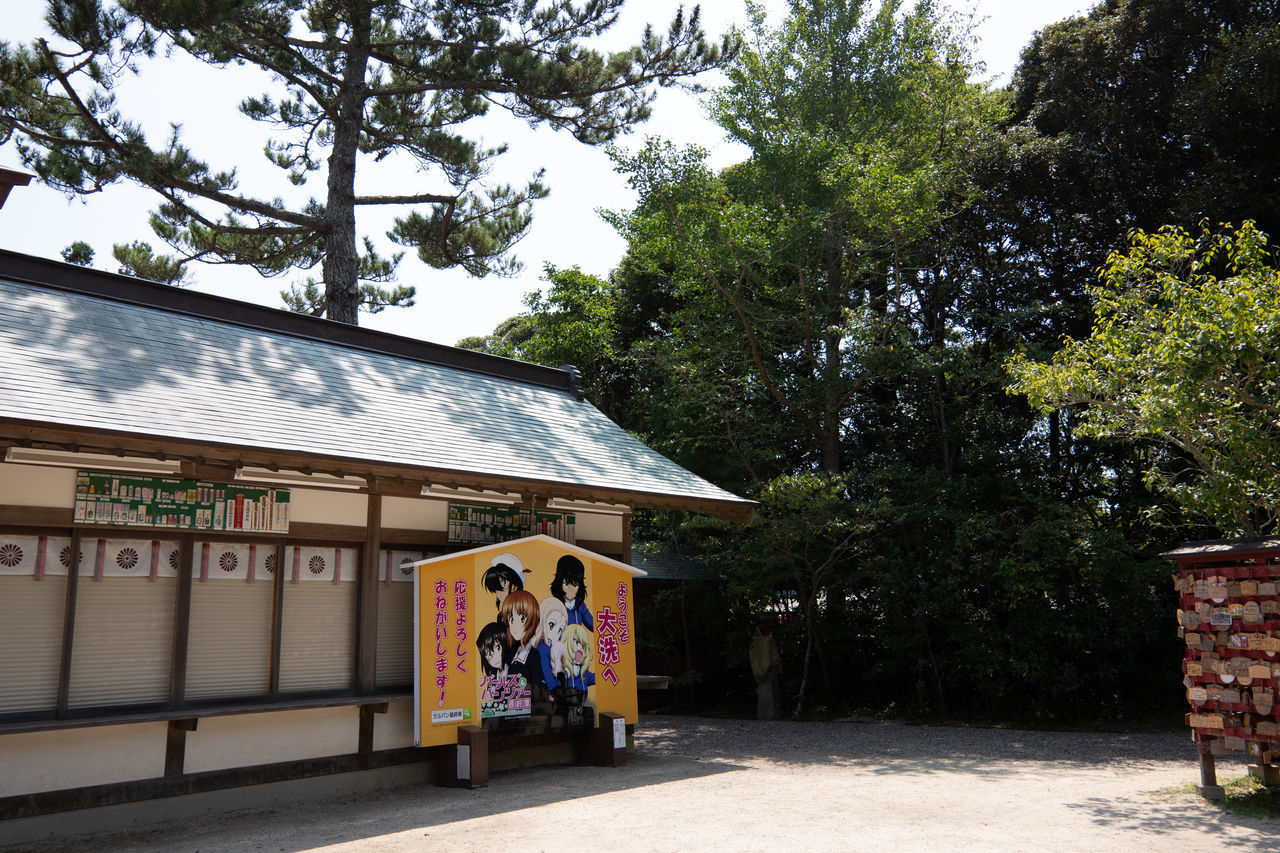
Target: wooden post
x,y
277,619
466,763
182,621
175,753
364,743
366,664
609,740
68,627
1209,787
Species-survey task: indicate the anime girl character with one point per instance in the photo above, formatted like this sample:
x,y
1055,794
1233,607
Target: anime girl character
x,y
519,613
577,640
504,575
552,655
493,663
493,650
570,586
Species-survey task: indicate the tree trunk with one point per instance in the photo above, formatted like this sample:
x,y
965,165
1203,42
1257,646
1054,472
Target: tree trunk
x,y
341,265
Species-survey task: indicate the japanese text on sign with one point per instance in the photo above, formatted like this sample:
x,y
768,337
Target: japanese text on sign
x,y
442,638
614,631
460,623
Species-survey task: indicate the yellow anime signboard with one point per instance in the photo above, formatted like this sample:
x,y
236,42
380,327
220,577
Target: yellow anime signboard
x,y
521,637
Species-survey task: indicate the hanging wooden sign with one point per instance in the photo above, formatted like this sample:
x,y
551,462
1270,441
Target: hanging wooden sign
x,y
1268,588
1192,668
1259,671
1197,695
1204,721
1220,617
1248,588
1189,619
1230,696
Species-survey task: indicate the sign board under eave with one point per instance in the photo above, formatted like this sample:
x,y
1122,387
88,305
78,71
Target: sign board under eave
x,y
529,635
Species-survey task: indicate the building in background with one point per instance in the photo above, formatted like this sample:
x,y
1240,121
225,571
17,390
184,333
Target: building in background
x,y
246,489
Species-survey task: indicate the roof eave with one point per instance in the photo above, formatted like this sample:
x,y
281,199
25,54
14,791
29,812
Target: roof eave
x,y
393,477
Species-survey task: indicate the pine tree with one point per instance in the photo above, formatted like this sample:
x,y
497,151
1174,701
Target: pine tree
x,y
358,80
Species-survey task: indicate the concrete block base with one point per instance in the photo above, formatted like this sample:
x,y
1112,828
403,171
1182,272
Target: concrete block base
x,y
1212,792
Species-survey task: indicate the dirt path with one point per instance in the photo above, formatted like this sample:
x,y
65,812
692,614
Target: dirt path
x,y
696,784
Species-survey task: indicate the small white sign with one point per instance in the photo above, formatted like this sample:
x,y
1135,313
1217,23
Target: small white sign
x,y
464,761
619,733
448,715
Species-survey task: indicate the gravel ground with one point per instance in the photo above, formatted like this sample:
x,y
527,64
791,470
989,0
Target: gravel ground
x,y
695,784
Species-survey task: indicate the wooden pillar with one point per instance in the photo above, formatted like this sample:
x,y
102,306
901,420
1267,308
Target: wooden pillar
x,y
182,621
68,627
366,650
626,538
466,763
277,619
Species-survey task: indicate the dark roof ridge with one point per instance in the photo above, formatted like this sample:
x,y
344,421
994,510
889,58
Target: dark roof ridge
x,y
57,275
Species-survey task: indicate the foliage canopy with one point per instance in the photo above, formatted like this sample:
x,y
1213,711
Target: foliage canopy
x,y
1185,353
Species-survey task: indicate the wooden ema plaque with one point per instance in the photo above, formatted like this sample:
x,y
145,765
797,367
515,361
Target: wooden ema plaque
x,y
1229,619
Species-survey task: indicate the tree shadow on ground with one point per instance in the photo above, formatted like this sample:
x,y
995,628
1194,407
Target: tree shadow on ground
x,y
679,749
900,747
339,819
1176,814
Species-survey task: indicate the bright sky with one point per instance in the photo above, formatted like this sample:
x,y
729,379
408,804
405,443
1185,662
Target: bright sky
x,y
451,305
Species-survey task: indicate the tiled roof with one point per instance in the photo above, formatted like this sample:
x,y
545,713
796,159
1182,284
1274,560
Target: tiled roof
x,y
76,359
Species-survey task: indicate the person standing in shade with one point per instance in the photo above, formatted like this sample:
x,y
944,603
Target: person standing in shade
x,y
766,666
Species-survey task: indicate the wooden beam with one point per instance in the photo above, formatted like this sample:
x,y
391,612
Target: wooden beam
x,y
68,629
406,478
277,620
39,517
182,621
366,650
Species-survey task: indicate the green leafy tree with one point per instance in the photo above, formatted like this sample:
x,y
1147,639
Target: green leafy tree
x,y
1161,112
570,323
855,119
1184,354
356,81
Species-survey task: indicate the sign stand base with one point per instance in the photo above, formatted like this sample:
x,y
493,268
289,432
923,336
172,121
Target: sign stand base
x,y
466,763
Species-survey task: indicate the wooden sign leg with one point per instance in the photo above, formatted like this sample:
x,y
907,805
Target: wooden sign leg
x,y
466,763
1209,787
609,740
